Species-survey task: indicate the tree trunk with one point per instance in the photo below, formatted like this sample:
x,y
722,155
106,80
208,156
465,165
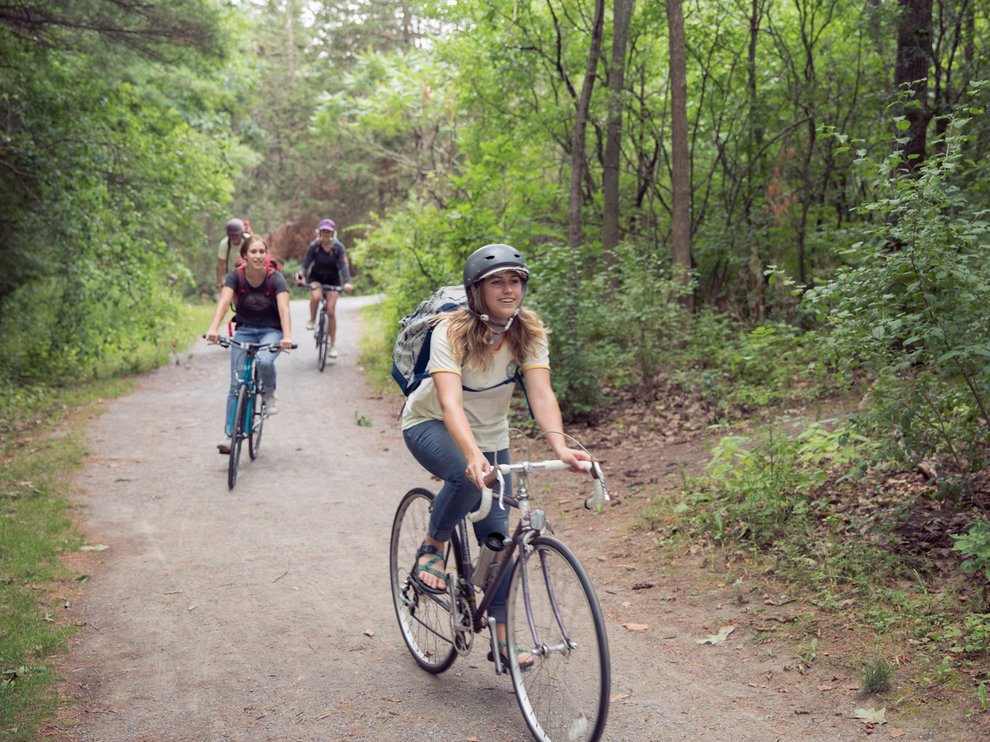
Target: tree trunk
x,y
290,44
680,171
578,160
621,14
914,54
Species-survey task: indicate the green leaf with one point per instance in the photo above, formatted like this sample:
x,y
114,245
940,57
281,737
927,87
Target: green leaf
x,y
872,715
720,637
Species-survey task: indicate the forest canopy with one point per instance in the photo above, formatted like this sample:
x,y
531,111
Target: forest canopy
x,y
655,162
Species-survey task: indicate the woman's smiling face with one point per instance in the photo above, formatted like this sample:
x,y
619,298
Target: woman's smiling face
x,y
502,294
256,254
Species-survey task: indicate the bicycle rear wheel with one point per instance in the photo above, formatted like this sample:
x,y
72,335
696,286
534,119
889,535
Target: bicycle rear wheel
x,y
424,619
237,437
565,694
322,337
259,413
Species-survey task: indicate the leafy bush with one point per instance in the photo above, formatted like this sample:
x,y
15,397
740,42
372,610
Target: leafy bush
x,y
975,546
738,367
908,305
760,484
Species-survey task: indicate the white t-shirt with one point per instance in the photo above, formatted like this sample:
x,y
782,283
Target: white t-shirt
x,y
487,409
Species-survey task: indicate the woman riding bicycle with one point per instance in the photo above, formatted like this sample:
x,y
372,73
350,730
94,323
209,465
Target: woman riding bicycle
x,y
325,264
456,422
262,298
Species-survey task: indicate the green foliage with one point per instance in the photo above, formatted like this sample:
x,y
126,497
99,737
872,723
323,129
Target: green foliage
x,y
741,367
906,309
975,546
760,486
110,169
37,528
643,302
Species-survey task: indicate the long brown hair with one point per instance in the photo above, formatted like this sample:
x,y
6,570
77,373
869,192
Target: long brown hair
x,y
472,338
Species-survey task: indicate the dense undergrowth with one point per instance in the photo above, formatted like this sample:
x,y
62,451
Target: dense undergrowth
x,y
813,504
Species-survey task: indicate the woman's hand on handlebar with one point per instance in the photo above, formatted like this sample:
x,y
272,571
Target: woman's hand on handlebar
x,y
348,288
286,344
572,457
478,468
212,335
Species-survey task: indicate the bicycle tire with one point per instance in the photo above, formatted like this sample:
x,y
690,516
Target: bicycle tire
x,y
564,695
322,338
259,413
237,437
424,619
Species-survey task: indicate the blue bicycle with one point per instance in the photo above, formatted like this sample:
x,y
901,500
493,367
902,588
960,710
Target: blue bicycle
x,y
251,410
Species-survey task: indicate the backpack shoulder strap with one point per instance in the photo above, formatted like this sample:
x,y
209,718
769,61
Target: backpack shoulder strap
x,y
269,280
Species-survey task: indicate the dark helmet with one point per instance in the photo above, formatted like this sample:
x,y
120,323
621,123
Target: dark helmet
x,y
490,259
235,228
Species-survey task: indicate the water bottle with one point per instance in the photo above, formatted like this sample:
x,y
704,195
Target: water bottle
x,y
489,558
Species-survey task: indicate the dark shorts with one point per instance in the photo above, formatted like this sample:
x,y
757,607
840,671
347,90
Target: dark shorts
x,y
326,280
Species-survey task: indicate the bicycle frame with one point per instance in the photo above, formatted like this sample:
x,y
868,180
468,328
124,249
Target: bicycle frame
x,y
554,644
530,525
250,379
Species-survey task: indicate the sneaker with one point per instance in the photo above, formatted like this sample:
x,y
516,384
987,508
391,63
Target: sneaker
x,y
311,325
271,404
333,351
224,448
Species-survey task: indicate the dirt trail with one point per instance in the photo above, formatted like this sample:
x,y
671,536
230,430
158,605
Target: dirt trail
x,y
264,613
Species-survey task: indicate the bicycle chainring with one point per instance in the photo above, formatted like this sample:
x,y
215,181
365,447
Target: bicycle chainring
x,y
462,619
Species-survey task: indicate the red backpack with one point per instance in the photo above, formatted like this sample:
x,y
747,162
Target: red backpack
x,y
271,263
242,284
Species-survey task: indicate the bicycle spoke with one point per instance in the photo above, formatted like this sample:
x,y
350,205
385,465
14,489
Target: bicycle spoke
x,y
554,614
424,619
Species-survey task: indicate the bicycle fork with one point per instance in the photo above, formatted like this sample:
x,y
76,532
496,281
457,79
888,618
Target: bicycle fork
x,y
541,648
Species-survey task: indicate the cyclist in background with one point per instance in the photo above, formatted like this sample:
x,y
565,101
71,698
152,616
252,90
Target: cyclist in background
x,y
456,422
237,229
325,263
262,317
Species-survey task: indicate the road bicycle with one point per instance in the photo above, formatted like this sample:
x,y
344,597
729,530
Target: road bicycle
x,y
322,334
552,610
251,411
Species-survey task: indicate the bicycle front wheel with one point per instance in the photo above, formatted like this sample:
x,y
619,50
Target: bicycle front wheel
x,y
322,338
259,412
424,619
237,436
554,614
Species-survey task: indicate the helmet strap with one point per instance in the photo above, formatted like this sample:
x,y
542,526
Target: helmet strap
x,y
498,328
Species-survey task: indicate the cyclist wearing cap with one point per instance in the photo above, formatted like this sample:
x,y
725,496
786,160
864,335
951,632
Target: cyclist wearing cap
x,y
231,244
325,263
456,422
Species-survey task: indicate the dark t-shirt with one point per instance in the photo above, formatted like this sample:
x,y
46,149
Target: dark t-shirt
x,y
327,267
253,307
